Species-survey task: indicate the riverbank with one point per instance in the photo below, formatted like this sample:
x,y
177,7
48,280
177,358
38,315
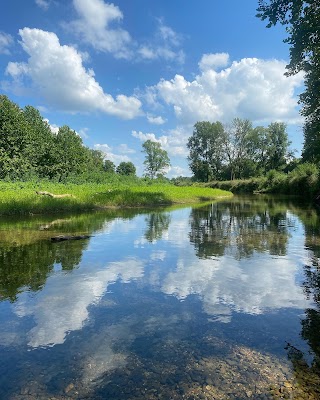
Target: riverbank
x,y
302,181
22,198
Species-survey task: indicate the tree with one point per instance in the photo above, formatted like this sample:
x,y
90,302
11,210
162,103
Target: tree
x,y
126,168
239,146
236,150
302,18
70,154
206,157
278,145
109,166
95,161
15,138
156,161
41,150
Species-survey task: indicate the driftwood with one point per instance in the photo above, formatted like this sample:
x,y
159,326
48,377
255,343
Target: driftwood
x,y
62,238
55,196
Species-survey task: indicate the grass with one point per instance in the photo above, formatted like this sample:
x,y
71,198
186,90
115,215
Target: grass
x,y
21,198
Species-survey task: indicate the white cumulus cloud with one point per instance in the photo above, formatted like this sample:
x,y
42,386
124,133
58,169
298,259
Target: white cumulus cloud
x,y
250,88
57,72
156,120
212,61
99,25
93,26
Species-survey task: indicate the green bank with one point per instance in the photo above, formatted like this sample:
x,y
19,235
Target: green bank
x,y
48,197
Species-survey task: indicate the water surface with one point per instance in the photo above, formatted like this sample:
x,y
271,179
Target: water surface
x,y
213,302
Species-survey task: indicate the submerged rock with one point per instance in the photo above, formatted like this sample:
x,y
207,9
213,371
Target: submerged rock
x,y
62,238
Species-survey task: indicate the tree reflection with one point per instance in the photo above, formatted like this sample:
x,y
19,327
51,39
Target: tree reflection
x,y
307,375
27,256
239,228
311,324
157,223
306,372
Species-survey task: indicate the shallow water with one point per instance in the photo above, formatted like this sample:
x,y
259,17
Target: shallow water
x,y
213,302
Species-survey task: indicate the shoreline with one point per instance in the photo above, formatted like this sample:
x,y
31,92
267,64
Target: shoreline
x,y
22,198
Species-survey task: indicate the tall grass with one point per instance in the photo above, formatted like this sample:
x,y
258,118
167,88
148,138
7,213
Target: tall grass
x,y
21,197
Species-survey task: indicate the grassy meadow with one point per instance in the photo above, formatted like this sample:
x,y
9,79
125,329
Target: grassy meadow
x,y
21,197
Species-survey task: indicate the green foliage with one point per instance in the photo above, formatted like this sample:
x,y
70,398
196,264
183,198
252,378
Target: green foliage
x,y
156,161
182,181
41,149
302,18
109,166
240,185
276,181
95,160
126,168
278,144
70,154
236,150
304,180
29,150
15,139
238,147
206,156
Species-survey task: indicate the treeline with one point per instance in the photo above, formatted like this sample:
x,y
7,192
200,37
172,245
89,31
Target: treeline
x,y
29,149
238,150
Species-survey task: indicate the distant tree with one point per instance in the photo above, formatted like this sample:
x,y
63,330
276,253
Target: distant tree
x,y
95,160
302,19
126,168
156,160
206,156
237,150
182,181
109,166
238,145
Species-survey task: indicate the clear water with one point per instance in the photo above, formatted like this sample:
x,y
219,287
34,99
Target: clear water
x,y
214,302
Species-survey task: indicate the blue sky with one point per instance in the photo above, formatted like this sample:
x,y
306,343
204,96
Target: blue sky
x,y
124,72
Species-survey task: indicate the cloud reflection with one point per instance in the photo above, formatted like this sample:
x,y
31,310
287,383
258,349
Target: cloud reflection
x,y
62,305
227,285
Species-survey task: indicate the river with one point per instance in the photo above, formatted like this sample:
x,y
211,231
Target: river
x,y
217,301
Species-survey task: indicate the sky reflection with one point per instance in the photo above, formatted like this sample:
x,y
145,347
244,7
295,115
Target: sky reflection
x,y
165,263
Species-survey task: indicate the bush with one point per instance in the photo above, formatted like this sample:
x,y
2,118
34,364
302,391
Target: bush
x,y
304,179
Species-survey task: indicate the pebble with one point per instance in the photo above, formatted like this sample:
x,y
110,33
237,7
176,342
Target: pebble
x,y
69,388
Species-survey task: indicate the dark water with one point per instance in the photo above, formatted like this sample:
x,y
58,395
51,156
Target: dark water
x,y
216,302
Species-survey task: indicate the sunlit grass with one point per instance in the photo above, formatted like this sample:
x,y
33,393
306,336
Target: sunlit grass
x,y
21,197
